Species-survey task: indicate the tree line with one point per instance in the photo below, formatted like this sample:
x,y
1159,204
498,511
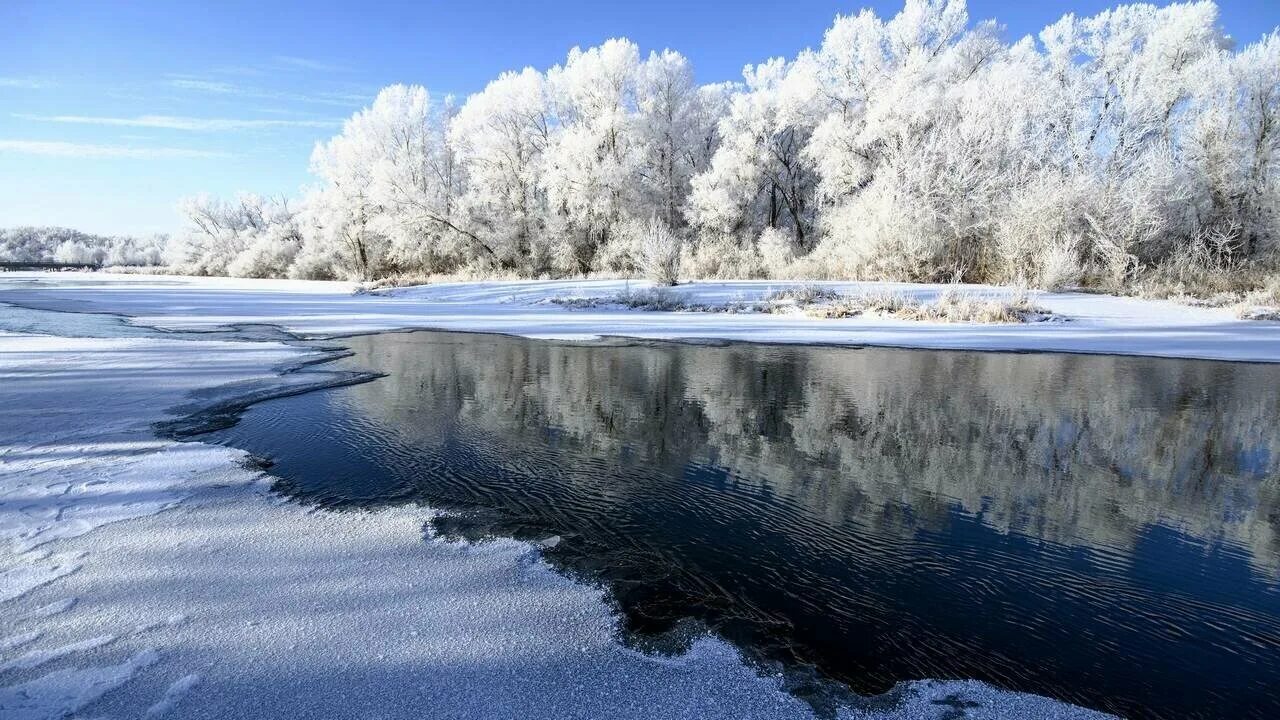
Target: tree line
x,y
31,244
918,147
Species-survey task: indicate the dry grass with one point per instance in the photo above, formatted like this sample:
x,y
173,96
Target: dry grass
x,y
1261,304
1196,285
1268,295
953,306
866,303
802,295
397,281
1252,291
138,270
1258,313
653,299
410,279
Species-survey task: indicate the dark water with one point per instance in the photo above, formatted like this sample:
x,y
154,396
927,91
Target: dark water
x,y
1101,530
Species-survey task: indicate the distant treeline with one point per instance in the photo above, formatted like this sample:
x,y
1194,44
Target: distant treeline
x,y
64,245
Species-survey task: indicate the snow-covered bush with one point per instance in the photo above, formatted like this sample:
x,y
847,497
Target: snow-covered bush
x,y
882,235
721,256
660,253
1039,232
777,250
269,254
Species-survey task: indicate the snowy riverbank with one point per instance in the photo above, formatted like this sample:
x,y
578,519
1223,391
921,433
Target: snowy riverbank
x,y
143,577
1093,323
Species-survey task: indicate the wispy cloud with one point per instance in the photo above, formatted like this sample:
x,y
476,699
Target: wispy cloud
x,y
175,122
343,98
209,86
302,63
219,87
276,64
84,150
26,83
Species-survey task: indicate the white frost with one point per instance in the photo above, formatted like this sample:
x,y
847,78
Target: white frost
x,y
173,695
33,570
63,692
36,658
54,608
16,641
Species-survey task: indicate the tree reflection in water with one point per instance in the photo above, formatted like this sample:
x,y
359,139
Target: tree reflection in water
x,y
1098,529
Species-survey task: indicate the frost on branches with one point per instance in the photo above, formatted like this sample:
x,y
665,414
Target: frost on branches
x,y
924,146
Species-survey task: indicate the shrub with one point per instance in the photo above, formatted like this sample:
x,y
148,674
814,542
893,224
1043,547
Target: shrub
x,y
777,251
660,253
805,294
720,256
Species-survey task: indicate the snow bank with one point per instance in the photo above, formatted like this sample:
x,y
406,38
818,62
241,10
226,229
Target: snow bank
x,y
1096,323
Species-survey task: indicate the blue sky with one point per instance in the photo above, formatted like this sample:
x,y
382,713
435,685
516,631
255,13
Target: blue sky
x,y
109,112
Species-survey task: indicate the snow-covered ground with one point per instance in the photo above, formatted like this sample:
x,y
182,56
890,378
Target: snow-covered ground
x,y
1094,323
141,577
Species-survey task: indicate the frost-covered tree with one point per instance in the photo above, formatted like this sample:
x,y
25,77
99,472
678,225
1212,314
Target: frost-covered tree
x,y
593,159
391,189
136,251
58,244
677,131
759,176
917,146
500,135
906,172
1124,89
949,153
248,236
1232,151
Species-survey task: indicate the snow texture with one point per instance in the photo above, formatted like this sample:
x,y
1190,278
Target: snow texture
x,y
144,576
65,691
54,608
173,695
36,658
32,570
17,641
